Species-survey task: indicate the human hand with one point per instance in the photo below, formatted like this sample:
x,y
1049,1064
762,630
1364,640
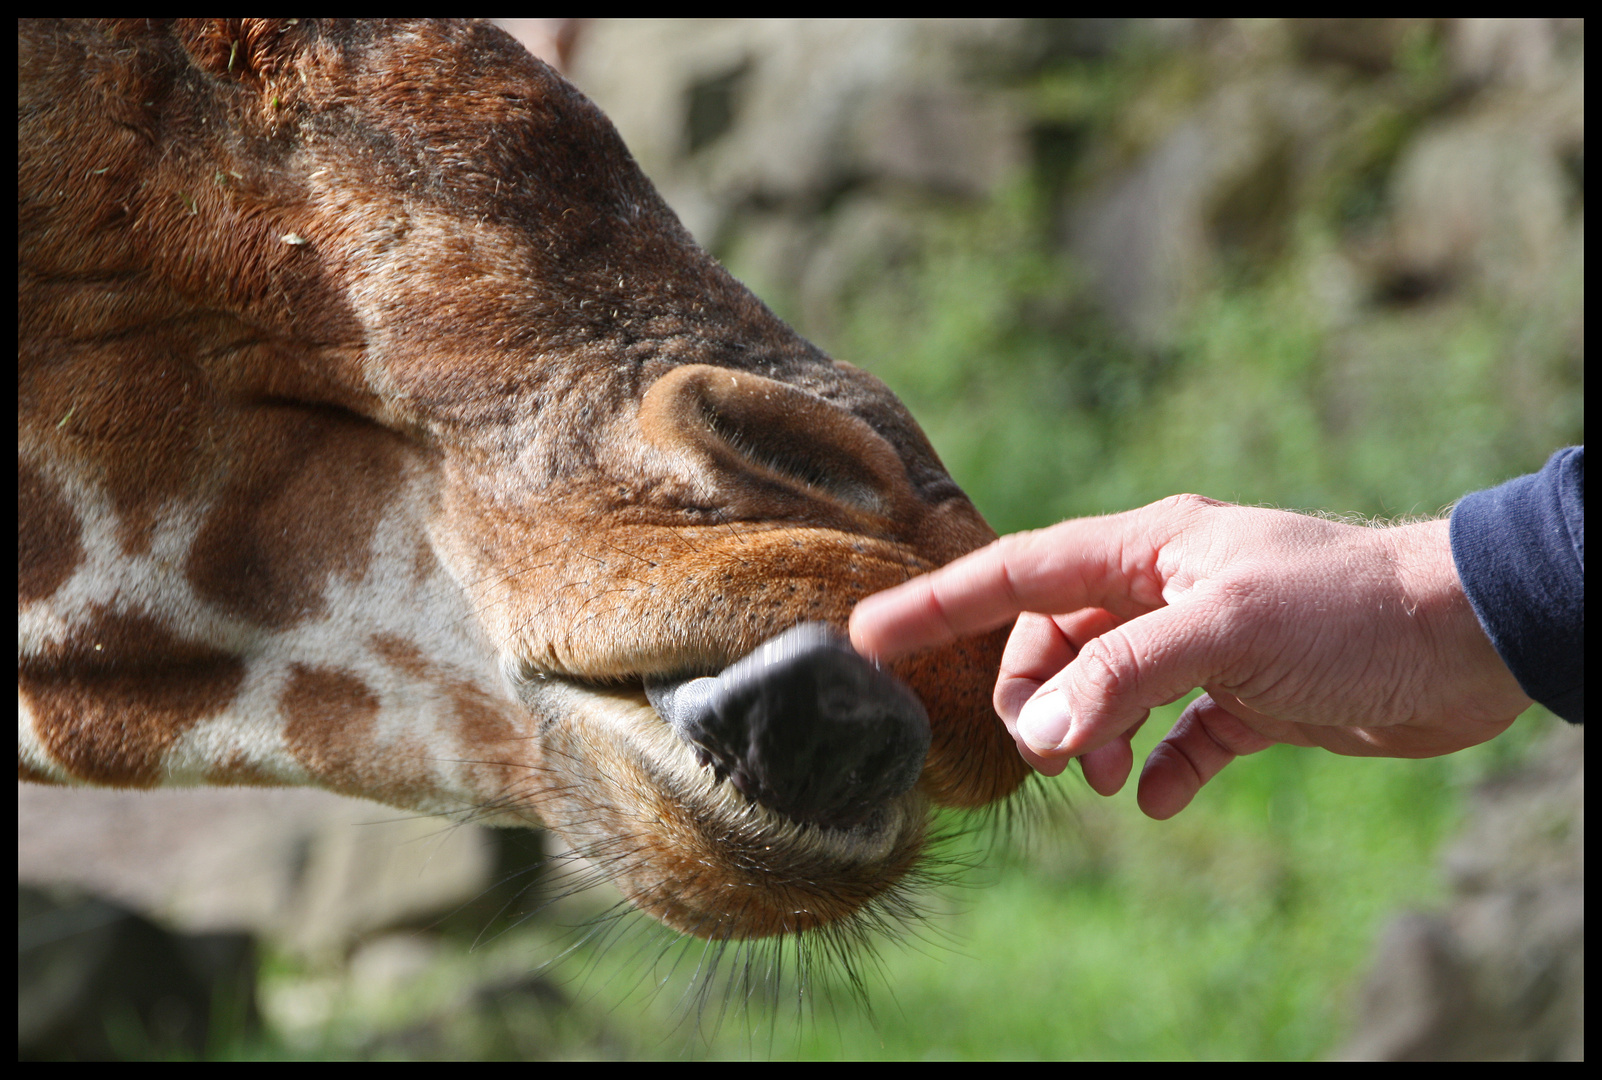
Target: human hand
x,y
1300,630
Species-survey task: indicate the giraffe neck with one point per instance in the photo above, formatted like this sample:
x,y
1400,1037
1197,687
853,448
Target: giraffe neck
x,y
370,676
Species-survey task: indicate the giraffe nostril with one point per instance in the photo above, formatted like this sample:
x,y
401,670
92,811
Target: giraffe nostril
x,y
758,435
805,726
788,446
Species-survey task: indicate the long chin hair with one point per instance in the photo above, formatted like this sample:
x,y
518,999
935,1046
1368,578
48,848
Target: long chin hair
x,y
617,957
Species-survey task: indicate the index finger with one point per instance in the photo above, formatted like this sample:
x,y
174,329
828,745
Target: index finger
x,y
1066,567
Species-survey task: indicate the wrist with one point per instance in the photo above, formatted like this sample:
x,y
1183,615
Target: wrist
x,y
1433,596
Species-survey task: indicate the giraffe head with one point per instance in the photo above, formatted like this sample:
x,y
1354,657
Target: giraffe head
x,y
381,429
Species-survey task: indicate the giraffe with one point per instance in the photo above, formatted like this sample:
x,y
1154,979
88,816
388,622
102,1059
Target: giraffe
x,y
380,429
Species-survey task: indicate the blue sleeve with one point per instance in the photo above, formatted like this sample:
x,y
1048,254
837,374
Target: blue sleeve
x,y
1520,551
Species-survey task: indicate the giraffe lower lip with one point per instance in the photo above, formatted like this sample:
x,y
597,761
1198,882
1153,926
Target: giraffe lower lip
x,y
803,725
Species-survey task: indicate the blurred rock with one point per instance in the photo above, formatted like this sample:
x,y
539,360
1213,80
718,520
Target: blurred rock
x,y
1484,199
310,871
1500,975
98,982
1466,135
726,115
1510,50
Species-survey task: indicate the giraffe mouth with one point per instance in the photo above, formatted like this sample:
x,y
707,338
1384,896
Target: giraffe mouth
x,y
803,725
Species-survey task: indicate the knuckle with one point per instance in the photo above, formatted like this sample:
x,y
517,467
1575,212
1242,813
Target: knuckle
x,y
1012,551
1188,504
1106,668
1008,697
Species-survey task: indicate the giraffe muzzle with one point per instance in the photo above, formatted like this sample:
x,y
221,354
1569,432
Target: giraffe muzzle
x,y
803,725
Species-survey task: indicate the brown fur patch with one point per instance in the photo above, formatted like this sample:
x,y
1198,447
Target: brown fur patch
x,y
112,699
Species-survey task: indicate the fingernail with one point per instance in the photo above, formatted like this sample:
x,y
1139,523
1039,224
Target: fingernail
x,y
1044,720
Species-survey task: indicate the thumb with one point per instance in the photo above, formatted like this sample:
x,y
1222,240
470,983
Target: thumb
x,y
1120,676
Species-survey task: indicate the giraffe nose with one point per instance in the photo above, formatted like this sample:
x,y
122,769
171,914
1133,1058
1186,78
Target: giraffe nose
x,y
804,726
767,443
